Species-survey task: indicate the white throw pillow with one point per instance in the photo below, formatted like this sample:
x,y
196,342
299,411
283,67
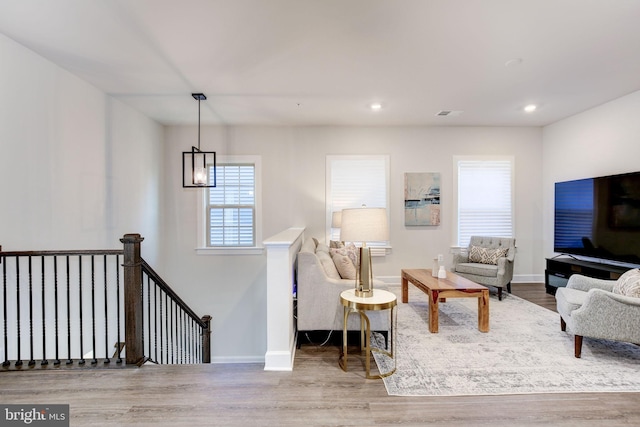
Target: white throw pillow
x,y
328,265
344,266
628,284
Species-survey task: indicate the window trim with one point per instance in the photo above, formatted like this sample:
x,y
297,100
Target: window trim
x,y
202,229
454,215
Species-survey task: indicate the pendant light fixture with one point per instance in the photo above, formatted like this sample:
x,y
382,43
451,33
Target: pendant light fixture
x,y
198,167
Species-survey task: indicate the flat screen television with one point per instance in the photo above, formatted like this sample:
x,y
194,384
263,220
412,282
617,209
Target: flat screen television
x,y
599,217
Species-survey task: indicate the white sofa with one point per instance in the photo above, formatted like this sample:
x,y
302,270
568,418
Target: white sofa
x,y
318,290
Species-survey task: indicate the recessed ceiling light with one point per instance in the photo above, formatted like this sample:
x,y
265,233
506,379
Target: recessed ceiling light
x,y
376,106
513,62
530,108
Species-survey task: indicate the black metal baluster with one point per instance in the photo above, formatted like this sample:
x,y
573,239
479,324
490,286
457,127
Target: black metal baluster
x,y
155,320
181,336
31,359
19,335
199,342
119,360
106,314
171,336
4,303
82,361
44,326
188,339
184,337
55,299
166,321
196,328
69,359
93,312
161,335
193,341
176,344
149,313
142,274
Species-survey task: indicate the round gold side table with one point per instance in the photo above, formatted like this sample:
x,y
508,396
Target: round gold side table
x,y
380,300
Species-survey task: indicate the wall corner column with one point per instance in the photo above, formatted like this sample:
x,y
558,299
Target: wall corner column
x,y
282,250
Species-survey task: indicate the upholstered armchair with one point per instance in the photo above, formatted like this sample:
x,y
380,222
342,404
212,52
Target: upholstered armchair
x,y
604,309
487,261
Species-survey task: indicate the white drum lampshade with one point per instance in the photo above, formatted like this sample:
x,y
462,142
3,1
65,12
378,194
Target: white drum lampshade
x,y
364,225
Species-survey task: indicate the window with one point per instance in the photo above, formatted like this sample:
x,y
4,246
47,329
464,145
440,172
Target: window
x,y
231,209
353,181
484,197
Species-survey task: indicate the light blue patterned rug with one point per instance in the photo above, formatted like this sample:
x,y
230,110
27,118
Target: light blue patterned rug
x,y
524,352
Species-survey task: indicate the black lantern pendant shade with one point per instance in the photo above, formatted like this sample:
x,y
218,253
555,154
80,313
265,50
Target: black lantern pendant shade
x,y
196,163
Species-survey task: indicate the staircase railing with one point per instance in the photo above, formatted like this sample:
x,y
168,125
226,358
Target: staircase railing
x,y
64,308
171,327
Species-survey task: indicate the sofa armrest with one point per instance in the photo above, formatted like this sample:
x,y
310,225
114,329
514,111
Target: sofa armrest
x,y
505,268
607,315
584,283
459,258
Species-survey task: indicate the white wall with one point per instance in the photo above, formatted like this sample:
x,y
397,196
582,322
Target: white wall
x,y
232,288
78,168
602,141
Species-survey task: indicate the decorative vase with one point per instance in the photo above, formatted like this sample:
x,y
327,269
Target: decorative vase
x,y
442,274
434,269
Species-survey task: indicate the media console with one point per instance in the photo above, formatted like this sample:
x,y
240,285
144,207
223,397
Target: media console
x,y
560,269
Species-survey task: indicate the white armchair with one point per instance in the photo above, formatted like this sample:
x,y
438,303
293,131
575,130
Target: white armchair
x,y
595,308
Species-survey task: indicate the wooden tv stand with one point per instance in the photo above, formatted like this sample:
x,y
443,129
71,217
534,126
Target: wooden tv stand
x,y
561,268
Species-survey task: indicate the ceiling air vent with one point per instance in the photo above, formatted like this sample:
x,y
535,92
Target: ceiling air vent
x,y
450,113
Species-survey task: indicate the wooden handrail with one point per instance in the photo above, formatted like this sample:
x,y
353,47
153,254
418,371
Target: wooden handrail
x,y
87,252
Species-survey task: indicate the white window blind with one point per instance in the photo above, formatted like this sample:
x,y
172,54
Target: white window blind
x,y
353,181
485,198
231,206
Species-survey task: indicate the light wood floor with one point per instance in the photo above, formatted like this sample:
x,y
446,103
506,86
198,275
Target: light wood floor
x,y
317,392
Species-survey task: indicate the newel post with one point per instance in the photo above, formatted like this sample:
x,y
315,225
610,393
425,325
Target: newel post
x,y
133,338
206,340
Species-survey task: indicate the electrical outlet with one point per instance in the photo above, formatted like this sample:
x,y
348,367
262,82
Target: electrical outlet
x,y
440,258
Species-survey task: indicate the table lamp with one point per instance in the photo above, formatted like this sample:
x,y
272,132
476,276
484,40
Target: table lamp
x,y
364,225
336,219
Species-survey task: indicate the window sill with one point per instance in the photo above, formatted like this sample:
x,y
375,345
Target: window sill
x,y
379,251
256,250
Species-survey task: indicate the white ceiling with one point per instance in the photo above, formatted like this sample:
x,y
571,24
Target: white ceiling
x,y
322,62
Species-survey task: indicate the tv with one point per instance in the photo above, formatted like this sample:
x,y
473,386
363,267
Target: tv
x,y
599,218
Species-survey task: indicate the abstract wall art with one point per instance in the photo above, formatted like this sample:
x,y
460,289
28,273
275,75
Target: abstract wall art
x,y
422,198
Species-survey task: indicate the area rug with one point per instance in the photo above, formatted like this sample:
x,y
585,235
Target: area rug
x,y
524,352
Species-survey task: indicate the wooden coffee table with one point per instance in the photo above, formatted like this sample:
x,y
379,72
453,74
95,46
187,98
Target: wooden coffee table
x,y
439,290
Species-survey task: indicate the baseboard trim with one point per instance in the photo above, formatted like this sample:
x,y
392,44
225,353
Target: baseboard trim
x,y
237,359
528,278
